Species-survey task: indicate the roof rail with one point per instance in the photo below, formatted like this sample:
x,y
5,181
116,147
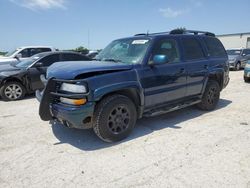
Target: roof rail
x,y
179,31
184,31
141,34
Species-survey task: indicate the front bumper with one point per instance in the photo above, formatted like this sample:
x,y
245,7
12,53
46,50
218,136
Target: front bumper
x,y
72,116
232,64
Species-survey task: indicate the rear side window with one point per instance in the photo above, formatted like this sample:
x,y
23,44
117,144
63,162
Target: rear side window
x,y
74,57
214,47
192,49
50,59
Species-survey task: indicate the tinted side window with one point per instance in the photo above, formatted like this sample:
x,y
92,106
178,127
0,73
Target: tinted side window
x,y
169,48
74,57
25,53
215,48
34,51
246,51
192,49
50,59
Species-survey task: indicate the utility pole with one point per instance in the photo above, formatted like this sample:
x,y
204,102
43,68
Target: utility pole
x,y
88,39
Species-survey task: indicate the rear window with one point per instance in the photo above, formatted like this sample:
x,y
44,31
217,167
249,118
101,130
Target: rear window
x,y
192,49
214,47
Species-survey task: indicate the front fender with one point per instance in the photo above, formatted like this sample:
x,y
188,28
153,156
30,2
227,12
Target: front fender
x,y
100,92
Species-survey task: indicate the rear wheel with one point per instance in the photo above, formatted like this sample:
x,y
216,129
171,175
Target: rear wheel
x,y
114,118
211,96
12,91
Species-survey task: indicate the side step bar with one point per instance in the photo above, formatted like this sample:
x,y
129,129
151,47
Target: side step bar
x,y
163,110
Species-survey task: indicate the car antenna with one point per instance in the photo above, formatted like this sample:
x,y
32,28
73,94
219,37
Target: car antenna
x,y
147,32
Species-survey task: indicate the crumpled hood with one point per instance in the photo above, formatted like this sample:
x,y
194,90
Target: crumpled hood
x,y
70,69
7,70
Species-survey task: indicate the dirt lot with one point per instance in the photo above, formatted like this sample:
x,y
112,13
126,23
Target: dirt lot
x,y
186,148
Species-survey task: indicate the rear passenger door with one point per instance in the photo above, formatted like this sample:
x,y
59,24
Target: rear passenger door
x,y
166,82
196,64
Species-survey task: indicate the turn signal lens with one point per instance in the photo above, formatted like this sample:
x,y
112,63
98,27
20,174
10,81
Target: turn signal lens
x,y
76,102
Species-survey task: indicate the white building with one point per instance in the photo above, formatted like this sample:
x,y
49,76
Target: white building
x,y
237,40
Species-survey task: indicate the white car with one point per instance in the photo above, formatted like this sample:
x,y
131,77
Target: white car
x,y
23,53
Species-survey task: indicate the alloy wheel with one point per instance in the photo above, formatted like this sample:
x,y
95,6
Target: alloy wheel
x,y
13,91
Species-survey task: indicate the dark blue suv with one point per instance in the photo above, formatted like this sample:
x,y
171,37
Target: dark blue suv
x,y
143,75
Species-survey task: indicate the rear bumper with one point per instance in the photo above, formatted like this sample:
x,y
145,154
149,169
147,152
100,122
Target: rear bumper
x,y
72,116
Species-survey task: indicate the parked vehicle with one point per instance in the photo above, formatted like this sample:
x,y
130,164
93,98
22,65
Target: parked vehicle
x,y
144,75
17,79
23,53
247,72
92,54
238,58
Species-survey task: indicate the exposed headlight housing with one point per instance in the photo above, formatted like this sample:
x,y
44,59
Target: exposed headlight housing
x,y
73,88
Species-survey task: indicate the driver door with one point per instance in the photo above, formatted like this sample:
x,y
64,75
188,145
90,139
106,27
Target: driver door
x,y
35,71
164,83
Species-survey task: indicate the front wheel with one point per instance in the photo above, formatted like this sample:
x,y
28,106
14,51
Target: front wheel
x,y
237,66
12,91
211,96
114,118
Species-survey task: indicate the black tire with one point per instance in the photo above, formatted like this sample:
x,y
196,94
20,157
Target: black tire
x,y
211,96
246,79
237,66
114,118
12,91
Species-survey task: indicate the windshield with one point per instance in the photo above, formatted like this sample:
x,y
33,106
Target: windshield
x,y
11,53
234,52
129,51
30,61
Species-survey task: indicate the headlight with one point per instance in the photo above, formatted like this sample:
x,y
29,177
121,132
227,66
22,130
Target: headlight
x,y
232,60
73,88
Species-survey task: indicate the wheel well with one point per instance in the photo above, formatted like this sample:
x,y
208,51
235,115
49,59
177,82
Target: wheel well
x,y
218,78
132,94
12,80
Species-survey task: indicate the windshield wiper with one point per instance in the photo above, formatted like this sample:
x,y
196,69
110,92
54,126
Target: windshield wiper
x,y
113,60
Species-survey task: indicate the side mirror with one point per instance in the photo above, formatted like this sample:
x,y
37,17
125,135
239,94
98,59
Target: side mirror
x,y
18,56
39,64
160,59
243,54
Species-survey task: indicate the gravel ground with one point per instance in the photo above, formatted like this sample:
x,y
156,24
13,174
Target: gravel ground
x,y
186,148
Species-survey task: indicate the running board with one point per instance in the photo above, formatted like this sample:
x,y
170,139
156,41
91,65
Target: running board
x,y
170,108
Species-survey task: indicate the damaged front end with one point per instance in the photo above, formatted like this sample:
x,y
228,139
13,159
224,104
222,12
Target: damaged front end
x,y
72,109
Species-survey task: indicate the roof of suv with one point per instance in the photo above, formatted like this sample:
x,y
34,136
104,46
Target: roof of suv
x,y
22,47
178,32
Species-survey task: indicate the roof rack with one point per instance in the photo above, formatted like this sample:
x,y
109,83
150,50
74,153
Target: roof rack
x,y
179,31
184,31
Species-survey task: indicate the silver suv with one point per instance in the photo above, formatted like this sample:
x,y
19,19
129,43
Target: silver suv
x,y
238,58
